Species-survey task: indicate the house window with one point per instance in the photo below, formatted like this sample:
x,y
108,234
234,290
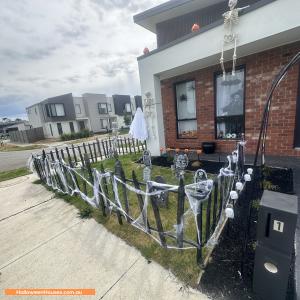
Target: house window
x,y
72,127
78,109
103,123
51,129
186,109
109,107
102,107
59,128
55,110
127,108
230,105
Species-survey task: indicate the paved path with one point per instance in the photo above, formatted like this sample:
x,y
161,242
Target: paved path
x,y
43,244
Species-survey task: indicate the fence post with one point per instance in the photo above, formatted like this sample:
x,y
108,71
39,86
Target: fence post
x,y
95,152
180,212
120,173
141,202
80,155
91,152
99,148
159,225
199,235
129,145
207,224
102,204
74,154
88,167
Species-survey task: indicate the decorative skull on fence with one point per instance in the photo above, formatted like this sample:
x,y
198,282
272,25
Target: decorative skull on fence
x,y
231,18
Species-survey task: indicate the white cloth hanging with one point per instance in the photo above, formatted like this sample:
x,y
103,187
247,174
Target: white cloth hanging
x,y
138,128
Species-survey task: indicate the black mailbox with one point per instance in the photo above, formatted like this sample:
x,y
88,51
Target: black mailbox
x,y
277,220
275,244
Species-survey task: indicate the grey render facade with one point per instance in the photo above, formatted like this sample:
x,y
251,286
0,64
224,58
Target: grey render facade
x,y
68,114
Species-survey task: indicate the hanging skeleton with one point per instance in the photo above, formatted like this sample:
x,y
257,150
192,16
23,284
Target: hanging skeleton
x,y
231,18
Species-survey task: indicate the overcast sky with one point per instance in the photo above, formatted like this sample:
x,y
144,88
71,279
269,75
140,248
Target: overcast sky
x,y
48,48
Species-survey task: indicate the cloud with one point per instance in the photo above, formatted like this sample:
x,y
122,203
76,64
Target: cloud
x,y
54,47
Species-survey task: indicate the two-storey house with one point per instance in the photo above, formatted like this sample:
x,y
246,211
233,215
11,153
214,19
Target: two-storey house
x,y
191,102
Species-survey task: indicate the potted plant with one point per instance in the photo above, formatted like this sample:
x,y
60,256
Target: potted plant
x,y
208,147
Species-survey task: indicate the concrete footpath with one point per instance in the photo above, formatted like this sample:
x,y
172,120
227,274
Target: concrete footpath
x,y
43,244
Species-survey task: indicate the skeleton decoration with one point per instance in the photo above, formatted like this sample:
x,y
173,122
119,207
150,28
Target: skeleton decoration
x,y
148,164
231,18
181,161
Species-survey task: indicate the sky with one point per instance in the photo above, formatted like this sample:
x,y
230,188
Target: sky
x,y
49,48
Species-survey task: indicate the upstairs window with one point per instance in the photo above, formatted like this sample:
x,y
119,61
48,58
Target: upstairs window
x,y
109,107
230,120
78,109
127,108
186,110
102,107
55,110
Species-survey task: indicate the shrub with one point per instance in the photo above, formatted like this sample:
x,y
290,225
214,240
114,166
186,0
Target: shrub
x,y
76,135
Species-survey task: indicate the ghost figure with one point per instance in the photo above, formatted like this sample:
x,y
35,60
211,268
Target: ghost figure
x,y
231,18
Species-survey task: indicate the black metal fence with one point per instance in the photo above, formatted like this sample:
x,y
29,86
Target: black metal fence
x,y
209,218
96,150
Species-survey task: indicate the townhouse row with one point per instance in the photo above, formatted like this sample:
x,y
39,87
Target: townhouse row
x,y
94,112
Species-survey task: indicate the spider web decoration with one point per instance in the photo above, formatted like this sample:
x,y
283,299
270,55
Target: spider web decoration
x,y
176,226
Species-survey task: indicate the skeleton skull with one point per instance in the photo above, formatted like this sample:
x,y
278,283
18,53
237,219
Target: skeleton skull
x,y
232,4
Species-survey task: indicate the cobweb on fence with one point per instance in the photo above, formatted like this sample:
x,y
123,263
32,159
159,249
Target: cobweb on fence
x,y
181,233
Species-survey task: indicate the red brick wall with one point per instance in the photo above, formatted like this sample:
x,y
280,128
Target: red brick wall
x,y
261,69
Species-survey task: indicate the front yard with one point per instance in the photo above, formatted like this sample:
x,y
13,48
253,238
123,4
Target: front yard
x,y
180,262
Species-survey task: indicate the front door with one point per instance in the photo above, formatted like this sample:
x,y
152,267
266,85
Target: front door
x,y
297,128
59,128
81,125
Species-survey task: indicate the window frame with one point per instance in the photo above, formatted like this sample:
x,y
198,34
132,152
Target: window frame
x,y
216,74
176,110
78,111
49,110
99,107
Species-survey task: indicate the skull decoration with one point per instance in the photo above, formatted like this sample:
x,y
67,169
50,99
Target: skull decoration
x,y
181,161
232,4
203,186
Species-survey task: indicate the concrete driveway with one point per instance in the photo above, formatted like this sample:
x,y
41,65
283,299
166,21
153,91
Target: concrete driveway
x,y
43,244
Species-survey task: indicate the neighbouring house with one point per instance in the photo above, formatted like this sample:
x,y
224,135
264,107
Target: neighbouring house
x,y
59,115
182,80
70,114
17,126
7,125
100,111
124,107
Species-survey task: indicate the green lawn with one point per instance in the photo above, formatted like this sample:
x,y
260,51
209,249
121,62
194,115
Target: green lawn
x,y
181,262
6,175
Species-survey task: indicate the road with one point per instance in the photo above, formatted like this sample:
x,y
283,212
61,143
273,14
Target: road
x,y
44,244
14,159
18,159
